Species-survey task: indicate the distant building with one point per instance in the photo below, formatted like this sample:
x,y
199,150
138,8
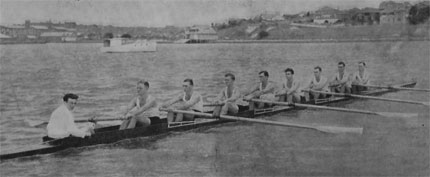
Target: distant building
x,y
326,15
18,31
368,16
392,12
326,12
58,36
201,34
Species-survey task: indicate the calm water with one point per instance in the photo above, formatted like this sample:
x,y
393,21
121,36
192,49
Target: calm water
x,y
34,78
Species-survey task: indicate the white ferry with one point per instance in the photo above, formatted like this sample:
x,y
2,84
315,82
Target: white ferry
x,y
128,45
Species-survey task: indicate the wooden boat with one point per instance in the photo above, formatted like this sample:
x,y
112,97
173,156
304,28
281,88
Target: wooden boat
x,y
111,134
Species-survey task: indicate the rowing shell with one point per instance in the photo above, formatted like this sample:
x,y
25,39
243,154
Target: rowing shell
x,y
112,134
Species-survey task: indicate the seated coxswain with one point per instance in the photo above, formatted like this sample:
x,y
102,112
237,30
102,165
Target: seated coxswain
x,y
341,82
361,77
228,96
290,89
318,83
62,121
189,100
141,109
264,90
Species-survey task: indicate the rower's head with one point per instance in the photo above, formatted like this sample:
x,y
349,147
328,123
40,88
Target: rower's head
x,y
188,85
142,87
229,79
341,66
361,66
317,71
289,72
70,100
264,76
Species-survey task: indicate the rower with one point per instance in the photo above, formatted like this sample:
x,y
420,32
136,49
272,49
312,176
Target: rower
x,y
341,82
141,109
361,77
62,121
318,83
264,90
228,96
290,90
188,100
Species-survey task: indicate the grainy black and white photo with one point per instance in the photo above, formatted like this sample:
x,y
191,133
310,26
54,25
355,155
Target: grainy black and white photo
x,y
97,88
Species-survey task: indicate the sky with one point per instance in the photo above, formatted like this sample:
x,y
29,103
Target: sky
x,y
158,13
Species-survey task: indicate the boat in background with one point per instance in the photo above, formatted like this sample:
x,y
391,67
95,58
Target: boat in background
x,y
115,45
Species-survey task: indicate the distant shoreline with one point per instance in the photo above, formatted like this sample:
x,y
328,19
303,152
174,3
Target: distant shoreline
x,y
321,40
252,41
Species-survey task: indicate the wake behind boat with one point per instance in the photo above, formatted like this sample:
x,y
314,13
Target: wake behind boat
x,y
112,134
119,45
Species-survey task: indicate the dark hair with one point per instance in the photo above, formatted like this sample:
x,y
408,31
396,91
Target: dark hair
x,y
264,72
146,83
341,63
71,96
319,68
189,81
364,64
230,75
289,70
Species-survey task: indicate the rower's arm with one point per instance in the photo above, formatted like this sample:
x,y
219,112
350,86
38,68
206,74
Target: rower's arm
x,y
130,106
236,95
366,80
333,81
320,86
172,101
220,95
145,107
192,102
255,88
270,88
294,88
71,126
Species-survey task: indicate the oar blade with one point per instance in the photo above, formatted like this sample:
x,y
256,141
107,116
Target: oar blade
x,y
331,129
36,123
397,114
425,103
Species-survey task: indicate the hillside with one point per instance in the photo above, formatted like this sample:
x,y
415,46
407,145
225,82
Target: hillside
x,y
285,31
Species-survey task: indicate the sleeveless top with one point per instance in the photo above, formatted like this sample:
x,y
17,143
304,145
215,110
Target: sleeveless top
x,y
294,84
199,105
150,112
323,80
225,94
358,78
345,78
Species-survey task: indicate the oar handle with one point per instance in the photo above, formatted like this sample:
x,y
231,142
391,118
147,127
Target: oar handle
x,y
213,104
98,120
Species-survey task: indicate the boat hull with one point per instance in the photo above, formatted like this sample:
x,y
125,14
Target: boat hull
x,y
112,134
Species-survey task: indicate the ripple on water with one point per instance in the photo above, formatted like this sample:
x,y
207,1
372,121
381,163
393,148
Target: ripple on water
x,y
34,78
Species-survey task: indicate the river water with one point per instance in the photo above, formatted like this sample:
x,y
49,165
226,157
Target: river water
x,y
34,78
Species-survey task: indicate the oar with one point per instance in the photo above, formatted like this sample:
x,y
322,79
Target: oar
x,y
385,114
397,88
213,104
36,123
327,129
371,97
